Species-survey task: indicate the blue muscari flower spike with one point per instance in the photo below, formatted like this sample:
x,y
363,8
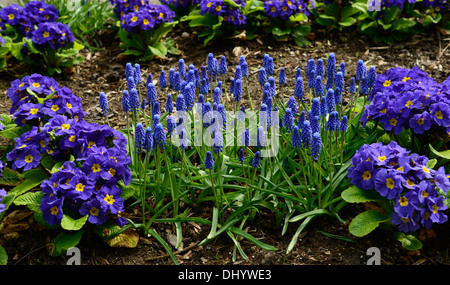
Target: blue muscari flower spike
x,y
197,78
159,136
210,64
139,137
266,61
264,116
201,99
344,124
241,156
323,106
216,67
271,82
331,66
292,104
237,90
216,95
137,73
206,110
342,68
180,103
171,78
162,79
329,84
301,119
241,114
148,140
333,122
282,77
156,109
288,119
244,69
129,70
126,101
296,138
352,88
306,133
364,86
315,106
223,65
131,83
134,100
149,79
169,104
270,66
330,100
209,161
299,89
183,139
266,93
143,104
151,94
256,160
360,70
217,142
315,124
232,86
103,101
312,79
262,76
189,95
310,67
320,68
245,137
371,76
238,73
339,81
298,73
316,146
177,81
221,110
318,86
171,124
156,120
191,76
261,137
204,89
337,96
182,68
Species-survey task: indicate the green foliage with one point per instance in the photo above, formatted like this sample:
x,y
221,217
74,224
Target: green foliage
x,y
148,44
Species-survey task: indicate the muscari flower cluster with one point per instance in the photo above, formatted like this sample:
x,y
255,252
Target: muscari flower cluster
x,y
285,8
28,17
231,15
409,99
141,15
95,155
405,179
326,83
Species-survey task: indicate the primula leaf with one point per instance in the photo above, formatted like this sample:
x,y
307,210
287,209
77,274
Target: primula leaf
x,y
366,222
409,241
70,224
443,154
3,256
64,241
32,200
356,195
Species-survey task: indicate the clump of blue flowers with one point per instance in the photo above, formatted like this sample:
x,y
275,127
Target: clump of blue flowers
x,y
415,190
93,157
409,99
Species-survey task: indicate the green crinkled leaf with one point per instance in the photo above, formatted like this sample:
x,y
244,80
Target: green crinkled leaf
x,y
31,199
356,195
3,256
71,224
366,222
409,241
65,240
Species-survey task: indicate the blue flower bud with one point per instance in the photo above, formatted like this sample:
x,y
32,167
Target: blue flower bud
x,y
209,161
256,160
316,146
296,139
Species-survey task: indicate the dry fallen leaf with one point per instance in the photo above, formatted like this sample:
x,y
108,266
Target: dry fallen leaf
x,y
127,239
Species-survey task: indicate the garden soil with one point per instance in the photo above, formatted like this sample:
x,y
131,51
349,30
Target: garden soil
x,y
325,241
